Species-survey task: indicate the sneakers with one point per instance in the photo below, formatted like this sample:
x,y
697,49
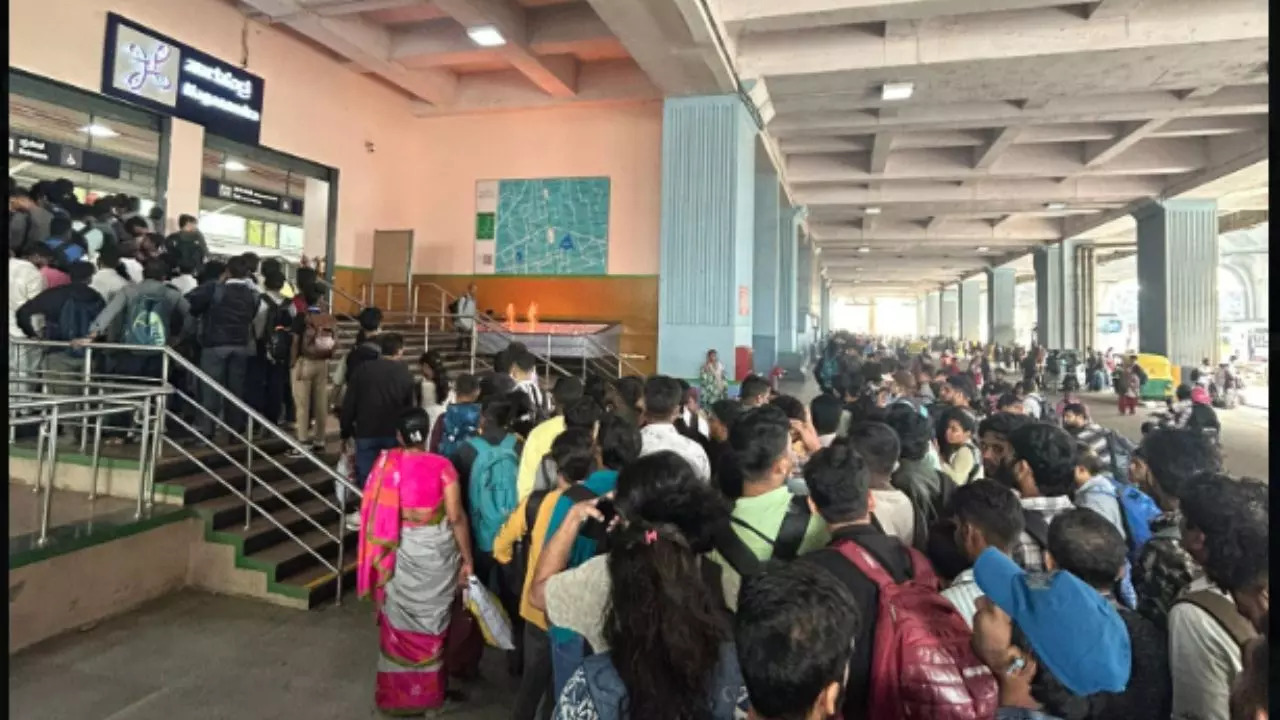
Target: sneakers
x,y
353,521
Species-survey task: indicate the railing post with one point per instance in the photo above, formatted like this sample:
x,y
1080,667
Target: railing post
x,y
142,455
97,455
474,329
444,305
162,403
248,474
342,545
426,335
413,311
548,375
84,422
40,458
583,342
46,502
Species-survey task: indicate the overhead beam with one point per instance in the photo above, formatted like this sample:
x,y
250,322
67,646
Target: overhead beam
x,y
985,157
364,44
655,34
1111,8
1082,190
952,230
1102,153
880,148
611,82
555,76
998,36
351,7
773,16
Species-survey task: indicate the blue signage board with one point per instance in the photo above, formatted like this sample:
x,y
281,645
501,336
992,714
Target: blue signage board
x,y
146,68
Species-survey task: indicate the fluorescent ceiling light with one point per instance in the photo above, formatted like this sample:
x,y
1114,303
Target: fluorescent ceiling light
x,y
984,248
864,249
897,91
486,36
234,166
872,211
857,269
1055,206
99,131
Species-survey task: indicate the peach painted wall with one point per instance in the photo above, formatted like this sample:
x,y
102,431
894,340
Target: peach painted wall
x,y
622,142
314,108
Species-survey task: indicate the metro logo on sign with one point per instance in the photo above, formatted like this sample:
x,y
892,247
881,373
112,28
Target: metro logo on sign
x,y
149,69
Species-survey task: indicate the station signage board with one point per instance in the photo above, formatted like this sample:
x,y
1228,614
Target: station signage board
x,y
144,67
253,197
43,152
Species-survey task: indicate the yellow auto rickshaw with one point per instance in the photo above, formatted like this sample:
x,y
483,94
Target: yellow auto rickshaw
x,y
915,347
1163,377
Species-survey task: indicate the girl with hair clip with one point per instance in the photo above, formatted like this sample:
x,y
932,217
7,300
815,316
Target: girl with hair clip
x,y
415,553
671,652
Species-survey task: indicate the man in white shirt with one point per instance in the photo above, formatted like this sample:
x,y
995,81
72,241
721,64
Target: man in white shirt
x,y
107,280
465,317
987,514
25,282
527,383
662,405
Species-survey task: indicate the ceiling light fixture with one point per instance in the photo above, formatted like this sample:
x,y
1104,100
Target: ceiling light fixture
x,y
984,248
897,91
99,131
1055,206
864,249
234,166
872,211
486,36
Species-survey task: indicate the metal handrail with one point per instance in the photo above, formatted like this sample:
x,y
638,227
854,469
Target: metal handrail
x,y
493,327
622,363
201,376
335,289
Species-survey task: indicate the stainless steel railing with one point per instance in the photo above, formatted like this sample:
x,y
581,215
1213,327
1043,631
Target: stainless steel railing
x,y
149,448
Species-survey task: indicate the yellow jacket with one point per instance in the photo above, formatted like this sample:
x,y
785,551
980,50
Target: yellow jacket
x,y
515,528
536,446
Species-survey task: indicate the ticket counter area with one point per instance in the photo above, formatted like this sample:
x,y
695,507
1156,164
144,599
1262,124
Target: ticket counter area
x,y
103,146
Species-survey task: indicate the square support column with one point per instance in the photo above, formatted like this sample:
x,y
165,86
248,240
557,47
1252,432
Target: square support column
x,y
1178,281
1001,302
933,313
921,321
824,309
1047,262
804,292
788,341
707,236
970,319
765,280
950,322
184,162
1086,297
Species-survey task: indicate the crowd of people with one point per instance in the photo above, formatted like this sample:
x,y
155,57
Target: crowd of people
x,y
897,547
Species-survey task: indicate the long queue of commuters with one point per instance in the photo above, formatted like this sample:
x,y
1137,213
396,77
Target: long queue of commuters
x,y
894,549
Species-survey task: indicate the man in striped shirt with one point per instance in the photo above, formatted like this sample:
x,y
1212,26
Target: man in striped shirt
x,y
1041,468
987,514
1075,420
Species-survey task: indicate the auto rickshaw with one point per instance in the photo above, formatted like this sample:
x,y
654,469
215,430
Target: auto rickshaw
x,y
915,347
1162,377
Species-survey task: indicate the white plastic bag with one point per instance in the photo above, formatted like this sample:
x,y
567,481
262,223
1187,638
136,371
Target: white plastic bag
x,y
346,467
489,613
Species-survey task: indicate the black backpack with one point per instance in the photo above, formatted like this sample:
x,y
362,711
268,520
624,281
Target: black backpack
x,y
276,343
785,547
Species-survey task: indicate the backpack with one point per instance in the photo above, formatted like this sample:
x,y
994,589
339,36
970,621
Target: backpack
x,y
276,343
320,335
184,250
461,423
922,664
1224,611
1138,510
492,488
518,568
75,317
65,252
149,324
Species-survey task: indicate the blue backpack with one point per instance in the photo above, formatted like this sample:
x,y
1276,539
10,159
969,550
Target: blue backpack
x,y
66,252
492,488
149,323
461,423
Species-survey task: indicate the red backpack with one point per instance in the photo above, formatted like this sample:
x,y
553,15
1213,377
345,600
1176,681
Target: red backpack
x,y
922,665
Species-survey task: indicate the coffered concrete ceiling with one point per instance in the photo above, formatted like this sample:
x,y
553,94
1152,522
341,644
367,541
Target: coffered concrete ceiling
x,y
557,51
1030,121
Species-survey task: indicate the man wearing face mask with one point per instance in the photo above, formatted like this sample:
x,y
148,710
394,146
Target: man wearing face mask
x,y
1041,468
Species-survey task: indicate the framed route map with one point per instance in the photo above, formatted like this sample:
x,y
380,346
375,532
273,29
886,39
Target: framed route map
x,y
554,226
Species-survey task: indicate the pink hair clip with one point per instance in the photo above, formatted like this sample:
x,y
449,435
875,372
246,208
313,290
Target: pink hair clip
x,y
650,536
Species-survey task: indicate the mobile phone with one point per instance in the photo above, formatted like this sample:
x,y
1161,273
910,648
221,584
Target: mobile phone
x,y
597,529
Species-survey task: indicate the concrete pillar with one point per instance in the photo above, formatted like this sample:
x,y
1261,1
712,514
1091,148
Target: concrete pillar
x,y
933,313
764,288
788,229
970,322
315,220
1001,303
824,307
707,235
1068,310
1086,297
1178,281
1048,267
921,321
871,318
804,294
184,169
950,322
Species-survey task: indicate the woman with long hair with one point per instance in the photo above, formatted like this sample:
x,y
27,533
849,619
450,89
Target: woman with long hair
x,y
669,646
415,552
959,455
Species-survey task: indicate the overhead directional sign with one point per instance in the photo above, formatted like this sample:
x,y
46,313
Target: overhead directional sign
x,y
43,152
252,197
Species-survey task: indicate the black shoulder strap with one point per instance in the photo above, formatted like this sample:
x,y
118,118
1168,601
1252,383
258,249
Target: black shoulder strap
x,y
1036,527
713,577
579,493
734,551
531,510
794,525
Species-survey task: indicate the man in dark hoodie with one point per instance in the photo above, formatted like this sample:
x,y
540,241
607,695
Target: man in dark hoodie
x,y
227,310
187,247
381,390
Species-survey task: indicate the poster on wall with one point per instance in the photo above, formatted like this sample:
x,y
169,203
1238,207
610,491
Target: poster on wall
x,y
554,226
159,73
291,239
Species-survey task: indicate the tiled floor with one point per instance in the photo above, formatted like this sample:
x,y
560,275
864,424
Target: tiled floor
x,y
205,657
65,508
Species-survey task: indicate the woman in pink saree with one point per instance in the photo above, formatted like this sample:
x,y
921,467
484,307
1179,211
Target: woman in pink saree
x,y
415,552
